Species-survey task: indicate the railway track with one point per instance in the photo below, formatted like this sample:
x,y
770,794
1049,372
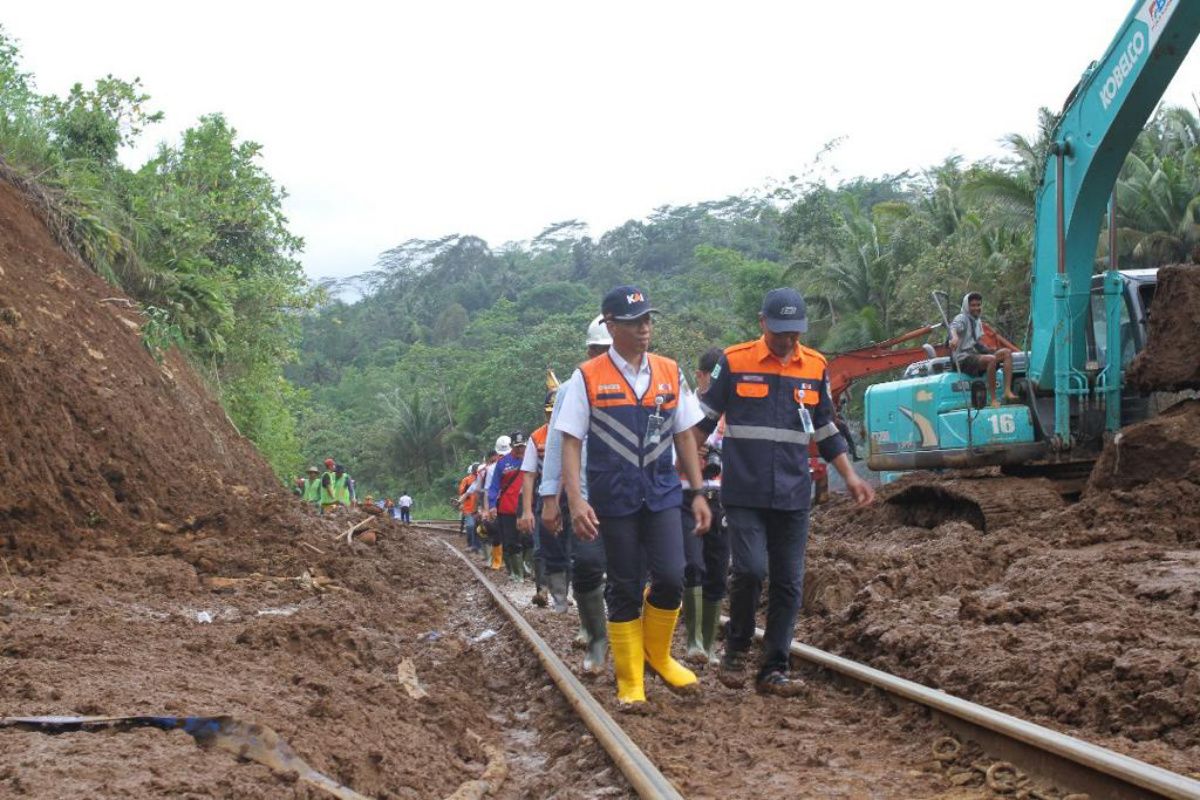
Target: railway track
x,y
1076,768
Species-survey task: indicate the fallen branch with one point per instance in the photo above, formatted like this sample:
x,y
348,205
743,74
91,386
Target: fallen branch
x,y
353,529
11,579
120,301
319,583
493,776
312,547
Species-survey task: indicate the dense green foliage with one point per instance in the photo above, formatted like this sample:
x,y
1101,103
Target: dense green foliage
x,y
449,345
196,235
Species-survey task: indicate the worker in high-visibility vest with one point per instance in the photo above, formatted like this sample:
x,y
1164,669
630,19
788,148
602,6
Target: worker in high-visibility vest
x,y
312,487
633,406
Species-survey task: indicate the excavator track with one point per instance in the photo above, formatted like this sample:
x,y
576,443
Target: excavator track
x,y
987,501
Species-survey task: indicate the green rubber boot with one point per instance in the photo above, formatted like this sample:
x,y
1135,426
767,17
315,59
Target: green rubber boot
x,y
515,569
691,623
710,620
594,618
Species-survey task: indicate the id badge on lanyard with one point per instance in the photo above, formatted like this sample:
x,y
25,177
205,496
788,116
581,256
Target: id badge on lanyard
x,y
656,423
806,421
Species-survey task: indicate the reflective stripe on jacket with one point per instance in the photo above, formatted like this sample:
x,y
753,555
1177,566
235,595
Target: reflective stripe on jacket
x,y
765,451
625,469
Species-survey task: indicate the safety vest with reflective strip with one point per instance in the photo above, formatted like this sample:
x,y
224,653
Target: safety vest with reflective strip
x,y
625,469
765,450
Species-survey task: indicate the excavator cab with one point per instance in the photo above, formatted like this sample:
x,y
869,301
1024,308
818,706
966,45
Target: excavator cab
x,y
937,417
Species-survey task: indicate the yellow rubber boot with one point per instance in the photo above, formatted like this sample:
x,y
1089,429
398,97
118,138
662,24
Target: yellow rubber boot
x,y
497,556
658,627
625,642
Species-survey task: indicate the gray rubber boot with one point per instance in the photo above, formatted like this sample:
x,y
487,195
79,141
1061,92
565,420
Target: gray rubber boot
x,y
691,621
595,621
557,581
710,620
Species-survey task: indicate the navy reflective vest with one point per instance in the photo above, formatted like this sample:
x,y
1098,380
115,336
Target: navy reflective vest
x,y
625,469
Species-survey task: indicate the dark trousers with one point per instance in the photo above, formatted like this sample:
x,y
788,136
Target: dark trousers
x,y
556,550
706,558
588,559
510,537
762,539
654,537
406,514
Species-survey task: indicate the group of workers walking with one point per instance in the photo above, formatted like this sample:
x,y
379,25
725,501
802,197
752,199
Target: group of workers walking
x,y
651,500
335,489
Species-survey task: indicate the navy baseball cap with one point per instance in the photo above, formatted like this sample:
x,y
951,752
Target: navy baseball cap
x,y
784,311
625,303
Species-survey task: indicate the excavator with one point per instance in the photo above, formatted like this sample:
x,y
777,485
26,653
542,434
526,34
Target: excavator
x,y
844,368
1085,328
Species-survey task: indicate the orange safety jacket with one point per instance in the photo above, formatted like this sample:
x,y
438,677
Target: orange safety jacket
x,y
625,468
468,505
538,438
765,451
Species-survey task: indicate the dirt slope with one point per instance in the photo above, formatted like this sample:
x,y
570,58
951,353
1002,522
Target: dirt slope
x,y
97,441
1171,360
126,492
1085,617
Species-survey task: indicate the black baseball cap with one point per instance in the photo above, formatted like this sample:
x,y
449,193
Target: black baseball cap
x,y
625,303
518,438
784,311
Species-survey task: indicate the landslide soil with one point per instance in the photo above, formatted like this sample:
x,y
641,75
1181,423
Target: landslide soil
x,y
126,490
1171,360
834,742
1084,617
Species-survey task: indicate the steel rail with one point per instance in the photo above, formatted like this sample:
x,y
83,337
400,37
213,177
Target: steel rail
x,y
647,781
1081,765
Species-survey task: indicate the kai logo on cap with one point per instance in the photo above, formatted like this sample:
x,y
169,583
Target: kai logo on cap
x,y
787,311
635,297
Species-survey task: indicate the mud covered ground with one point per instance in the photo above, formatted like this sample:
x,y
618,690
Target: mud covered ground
x,y
117,633
1085,618
835,742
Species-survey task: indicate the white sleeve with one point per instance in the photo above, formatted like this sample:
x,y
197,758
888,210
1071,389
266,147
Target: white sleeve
x,y
687,413
574,416
529,462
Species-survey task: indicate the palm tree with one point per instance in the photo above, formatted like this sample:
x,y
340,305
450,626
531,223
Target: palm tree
x,y
416,430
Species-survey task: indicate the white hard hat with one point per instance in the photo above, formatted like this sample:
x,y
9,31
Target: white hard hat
x,y
598,333
503,445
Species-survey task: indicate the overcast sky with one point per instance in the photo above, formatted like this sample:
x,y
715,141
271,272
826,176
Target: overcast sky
x,y
387,122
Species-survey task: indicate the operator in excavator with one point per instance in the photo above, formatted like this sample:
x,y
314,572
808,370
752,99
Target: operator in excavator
x,y
972,356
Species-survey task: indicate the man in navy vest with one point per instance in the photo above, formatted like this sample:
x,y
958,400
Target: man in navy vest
x,y
633,406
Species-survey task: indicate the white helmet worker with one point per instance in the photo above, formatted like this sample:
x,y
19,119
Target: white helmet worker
x,y
503,445
597,333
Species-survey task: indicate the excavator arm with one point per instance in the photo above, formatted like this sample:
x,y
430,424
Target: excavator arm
x,y
1102,118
